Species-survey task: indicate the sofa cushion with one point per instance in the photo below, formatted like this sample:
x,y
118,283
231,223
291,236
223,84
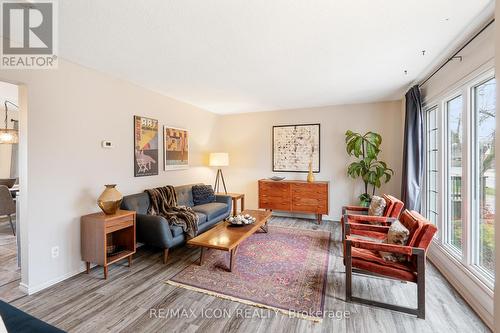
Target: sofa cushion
x,y
184,195
203,194
211,210
176,230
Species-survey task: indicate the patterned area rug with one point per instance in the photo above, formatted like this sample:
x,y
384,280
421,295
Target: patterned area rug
x,y
284,270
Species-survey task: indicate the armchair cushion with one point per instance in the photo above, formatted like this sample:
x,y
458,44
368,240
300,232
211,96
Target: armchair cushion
x,y
377,206
393,207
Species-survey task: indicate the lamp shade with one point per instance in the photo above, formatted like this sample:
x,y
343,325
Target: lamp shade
x,y
219,159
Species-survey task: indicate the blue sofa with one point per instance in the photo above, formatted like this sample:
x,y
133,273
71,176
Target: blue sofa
x,y
155,230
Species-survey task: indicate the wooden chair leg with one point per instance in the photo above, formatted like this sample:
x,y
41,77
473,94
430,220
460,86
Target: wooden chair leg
x,y
348,271
165,256
12,225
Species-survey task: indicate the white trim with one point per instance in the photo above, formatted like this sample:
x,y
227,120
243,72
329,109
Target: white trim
x,y
477,294
30,290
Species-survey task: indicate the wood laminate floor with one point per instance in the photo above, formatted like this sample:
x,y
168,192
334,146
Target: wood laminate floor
x,y
10,274
130,298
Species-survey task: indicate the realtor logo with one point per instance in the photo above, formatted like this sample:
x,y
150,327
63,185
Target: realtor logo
x,y
28,31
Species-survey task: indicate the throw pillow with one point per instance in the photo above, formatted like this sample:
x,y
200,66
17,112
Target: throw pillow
x,y
397,235
203,194
377,206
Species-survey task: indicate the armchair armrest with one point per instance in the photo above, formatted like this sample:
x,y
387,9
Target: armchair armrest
x,y
154,230
368,219
367,245
366,227
346,209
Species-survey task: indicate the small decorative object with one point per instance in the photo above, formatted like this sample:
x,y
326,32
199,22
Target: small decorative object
x,y
277,178
310,175
241,220
372,171
146,146
295,146
219,160
176,148
7,135
109,201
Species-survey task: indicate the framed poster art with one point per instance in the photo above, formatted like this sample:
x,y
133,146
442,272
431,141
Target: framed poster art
x,y
176,148
295,146
145,146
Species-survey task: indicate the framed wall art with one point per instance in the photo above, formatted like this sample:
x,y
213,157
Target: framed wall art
x,y
145,146
176,148
295,146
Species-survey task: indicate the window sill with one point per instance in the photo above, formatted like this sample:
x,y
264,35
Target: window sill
x,y
477,293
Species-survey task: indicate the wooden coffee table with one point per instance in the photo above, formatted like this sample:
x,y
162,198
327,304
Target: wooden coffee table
x,y
225,237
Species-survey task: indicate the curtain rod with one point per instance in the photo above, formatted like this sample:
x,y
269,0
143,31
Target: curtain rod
x,y
455,55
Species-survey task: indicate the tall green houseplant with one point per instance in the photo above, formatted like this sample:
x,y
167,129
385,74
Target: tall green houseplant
x,y
372,171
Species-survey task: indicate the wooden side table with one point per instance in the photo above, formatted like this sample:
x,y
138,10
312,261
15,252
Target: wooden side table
x,y
100,232
235,197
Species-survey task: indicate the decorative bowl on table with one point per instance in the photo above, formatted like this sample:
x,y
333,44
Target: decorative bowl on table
x,y
277,178
240,220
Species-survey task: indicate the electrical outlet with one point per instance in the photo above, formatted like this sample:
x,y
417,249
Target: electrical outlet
x,y
55,252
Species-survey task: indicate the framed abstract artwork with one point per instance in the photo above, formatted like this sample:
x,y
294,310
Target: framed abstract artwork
x,y
295,146
176,148
145,146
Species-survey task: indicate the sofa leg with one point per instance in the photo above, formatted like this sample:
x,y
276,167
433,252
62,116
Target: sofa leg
x,y
165,256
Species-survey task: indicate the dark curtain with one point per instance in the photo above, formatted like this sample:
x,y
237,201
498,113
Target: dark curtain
x,y
413,151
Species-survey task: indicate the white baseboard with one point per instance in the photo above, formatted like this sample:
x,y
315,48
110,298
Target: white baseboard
x,y
30,290
471,289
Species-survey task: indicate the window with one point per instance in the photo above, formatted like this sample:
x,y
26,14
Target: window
x,y
431,158
483,220
454,226
460,174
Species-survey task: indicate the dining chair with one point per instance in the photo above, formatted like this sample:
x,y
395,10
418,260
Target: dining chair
x,y
7,205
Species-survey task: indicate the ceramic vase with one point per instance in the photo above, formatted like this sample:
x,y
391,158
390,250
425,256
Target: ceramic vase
x,y
110,200
310,175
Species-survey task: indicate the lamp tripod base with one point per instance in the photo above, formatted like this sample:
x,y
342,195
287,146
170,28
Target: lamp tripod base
x,y
218,179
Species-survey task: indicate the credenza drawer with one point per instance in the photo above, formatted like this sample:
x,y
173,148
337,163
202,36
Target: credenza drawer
x,y
292,196
276,204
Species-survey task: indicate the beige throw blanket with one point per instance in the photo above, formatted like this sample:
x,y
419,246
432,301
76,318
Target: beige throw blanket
x,y
164,203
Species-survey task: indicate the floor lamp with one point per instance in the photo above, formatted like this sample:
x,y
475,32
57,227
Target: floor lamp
x,y
219,160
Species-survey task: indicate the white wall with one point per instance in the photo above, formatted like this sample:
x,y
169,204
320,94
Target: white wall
x,y
7,92
70,110
247,139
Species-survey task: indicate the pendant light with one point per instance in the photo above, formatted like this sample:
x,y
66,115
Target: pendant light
x,y
7,135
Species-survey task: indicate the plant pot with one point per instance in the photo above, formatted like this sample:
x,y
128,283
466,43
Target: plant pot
x,y
110,200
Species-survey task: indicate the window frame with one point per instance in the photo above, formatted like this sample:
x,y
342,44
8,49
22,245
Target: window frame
x,y
470,251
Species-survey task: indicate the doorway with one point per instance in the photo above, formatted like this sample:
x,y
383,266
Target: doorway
x,y
10,264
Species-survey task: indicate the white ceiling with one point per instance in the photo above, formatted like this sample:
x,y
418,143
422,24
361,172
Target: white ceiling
x,y
231,56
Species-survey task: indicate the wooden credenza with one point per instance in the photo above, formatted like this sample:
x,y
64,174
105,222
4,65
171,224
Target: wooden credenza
x,y
294,196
